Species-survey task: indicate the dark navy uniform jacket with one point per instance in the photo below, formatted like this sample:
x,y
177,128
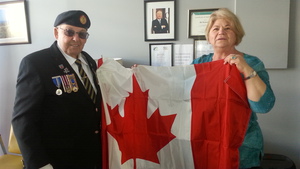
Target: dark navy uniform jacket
x,y
63,130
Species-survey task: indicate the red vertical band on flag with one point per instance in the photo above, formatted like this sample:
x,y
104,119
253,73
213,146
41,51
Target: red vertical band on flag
x,y
100,62
220,115
104,139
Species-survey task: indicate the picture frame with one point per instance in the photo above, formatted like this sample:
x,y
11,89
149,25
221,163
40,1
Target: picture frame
x,y
183,54
198,19
165,30
202,47
161,54
14,27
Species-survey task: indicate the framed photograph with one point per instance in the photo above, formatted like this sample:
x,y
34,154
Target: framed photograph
x,y
159,20
14,27
198,19
161,54
202,47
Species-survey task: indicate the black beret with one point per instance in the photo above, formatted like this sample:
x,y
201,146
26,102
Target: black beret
x,y
74,17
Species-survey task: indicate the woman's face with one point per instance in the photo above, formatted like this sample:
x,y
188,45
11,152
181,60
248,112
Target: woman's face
x,y
221,34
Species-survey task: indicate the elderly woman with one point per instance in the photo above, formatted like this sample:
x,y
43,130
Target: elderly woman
x,y
224,32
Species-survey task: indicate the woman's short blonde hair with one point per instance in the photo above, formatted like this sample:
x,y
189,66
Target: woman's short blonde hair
x,y
224,13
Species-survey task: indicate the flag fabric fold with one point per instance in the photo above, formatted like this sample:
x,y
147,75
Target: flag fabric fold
x,y
180,117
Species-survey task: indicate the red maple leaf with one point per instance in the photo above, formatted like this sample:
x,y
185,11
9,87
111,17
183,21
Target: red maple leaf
x,y
139,137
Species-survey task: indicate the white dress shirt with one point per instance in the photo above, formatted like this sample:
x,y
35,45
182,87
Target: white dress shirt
x,y
85,67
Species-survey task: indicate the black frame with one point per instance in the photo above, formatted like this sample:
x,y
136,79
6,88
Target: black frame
x,y
150,8
153,58
200,23
14,29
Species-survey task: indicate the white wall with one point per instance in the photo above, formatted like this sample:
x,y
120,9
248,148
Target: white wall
x,y
118,31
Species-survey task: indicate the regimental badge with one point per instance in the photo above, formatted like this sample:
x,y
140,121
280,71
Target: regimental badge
x,y
83,19
58,83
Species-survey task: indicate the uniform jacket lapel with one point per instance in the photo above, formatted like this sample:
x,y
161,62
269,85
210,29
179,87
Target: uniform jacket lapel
x,y
65,68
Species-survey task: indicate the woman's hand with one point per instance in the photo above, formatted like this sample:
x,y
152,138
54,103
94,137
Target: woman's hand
x,y
255,86
240,63
133,66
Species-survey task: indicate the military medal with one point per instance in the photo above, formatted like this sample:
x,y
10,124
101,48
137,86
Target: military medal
x,y
66,84
73,82
75,89
58,92
57,81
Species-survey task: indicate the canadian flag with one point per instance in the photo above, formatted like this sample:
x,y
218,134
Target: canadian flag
x,y
181,117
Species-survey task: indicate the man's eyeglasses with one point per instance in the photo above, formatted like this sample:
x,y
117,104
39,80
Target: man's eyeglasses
x,y
71,33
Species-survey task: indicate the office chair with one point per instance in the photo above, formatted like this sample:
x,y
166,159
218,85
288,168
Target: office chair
x,y
276,161
12,159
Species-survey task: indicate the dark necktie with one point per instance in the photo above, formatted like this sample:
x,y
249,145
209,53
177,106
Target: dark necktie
x,y
86,82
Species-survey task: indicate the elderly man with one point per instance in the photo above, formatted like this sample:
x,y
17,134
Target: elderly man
x,y
160,24
56,116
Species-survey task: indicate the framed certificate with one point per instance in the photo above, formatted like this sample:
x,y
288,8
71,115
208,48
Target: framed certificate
x,y
202,47
198,19
183,54
161,54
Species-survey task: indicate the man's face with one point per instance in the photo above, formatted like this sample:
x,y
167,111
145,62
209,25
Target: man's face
x,y
159,15
71,45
